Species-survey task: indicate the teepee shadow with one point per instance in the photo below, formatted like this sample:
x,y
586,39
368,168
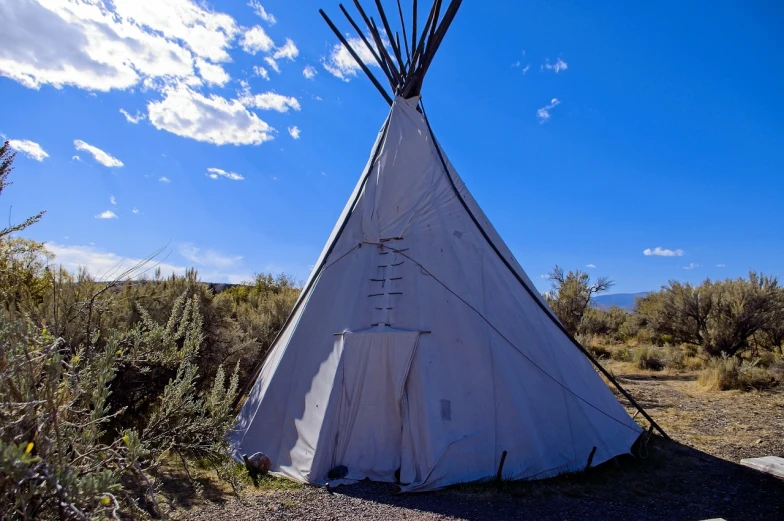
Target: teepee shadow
x,y
674,482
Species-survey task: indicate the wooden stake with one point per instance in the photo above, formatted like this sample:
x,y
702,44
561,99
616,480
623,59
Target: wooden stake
x,y
499,475
590,459
356,57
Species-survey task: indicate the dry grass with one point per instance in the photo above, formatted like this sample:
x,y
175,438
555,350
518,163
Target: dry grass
x,y
725,374
762,372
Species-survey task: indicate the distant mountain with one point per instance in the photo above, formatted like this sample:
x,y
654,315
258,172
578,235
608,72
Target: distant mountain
x,y
622,300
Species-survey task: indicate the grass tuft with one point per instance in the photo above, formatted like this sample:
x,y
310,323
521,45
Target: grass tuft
x,y
725,374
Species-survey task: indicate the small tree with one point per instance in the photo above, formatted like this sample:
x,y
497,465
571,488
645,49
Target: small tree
x,y
7,157
771,335
571,295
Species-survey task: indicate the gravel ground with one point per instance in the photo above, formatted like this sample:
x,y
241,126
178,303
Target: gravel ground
x,y
693,477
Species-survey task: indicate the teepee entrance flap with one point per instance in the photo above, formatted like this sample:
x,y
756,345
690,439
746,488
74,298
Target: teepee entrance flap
x,y
372,377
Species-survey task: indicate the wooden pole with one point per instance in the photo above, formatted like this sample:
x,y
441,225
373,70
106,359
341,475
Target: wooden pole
x,y
356,57
370,47
435,43
415,76
405,36
384,54
437,5
382,51
390,36
426,31
413,36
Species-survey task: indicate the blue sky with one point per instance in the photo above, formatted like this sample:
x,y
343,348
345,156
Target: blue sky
x,y
590,133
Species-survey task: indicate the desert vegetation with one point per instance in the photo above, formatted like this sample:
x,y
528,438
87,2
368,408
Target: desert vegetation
x,y
105,383
728,330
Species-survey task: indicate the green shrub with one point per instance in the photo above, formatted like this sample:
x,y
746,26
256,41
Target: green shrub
x,y
674,358
648,358
73,444
621,354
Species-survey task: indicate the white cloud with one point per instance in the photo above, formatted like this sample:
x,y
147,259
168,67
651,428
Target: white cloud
x,y
288,50
544,113
526,68
721,265
212,119
113,200
662,252
590,265
29,148
294,132
272,63
215,173
270,101
342,65
104,265
100,45
102,157
135,210
256,40
207,33
108,214
209,258
261,12
258,70
309,72
212,73
132,119
556,67
691,266
164,179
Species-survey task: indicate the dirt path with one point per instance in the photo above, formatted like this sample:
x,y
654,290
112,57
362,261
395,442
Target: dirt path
x,y
730,425
693,477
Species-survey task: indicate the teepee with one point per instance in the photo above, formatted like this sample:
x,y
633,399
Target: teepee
x,y
419,351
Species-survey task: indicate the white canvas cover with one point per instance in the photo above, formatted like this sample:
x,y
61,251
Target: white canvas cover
x,y
415,345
